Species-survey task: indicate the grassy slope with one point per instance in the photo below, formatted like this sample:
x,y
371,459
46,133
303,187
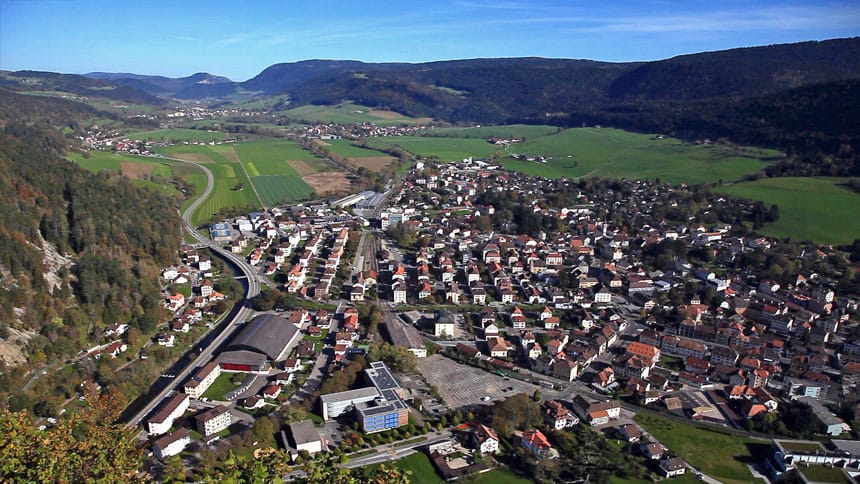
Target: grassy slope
x,y
717,455
816,209
104,160
345,113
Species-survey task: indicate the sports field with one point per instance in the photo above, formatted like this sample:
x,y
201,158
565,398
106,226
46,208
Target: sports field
x,y
350,113
816,209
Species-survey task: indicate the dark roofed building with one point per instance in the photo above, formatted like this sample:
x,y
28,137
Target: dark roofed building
x,y
268,335
243,360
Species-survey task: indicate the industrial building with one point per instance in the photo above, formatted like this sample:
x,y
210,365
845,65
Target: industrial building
x,y
264,340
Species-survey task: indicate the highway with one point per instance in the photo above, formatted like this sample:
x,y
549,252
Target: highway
x,y
252,288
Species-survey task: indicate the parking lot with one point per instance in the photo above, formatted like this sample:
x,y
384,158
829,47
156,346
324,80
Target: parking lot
x,y
463,385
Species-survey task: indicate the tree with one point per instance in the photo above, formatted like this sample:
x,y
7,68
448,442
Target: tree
x,y
87,446
264,430
515,412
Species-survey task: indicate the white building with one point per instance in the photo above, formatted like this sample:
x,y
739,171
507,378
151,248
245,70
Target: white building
x,y
213,420
305,437
197,385
163,419
171,444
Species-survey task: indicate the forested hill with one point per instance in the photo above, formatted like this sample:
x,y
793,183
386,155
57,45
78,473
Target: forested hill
x,y
84,87
78,251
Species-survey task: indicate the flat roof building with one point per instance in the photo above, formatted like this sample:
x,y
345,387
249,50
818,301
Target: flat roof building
x,y
305,437
336,404
377,408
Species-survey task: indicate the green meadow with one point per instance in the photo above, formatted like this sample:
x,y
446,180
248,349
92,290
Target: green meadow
x,y
227,177
135,167
816,209
274,189
259,164
613,153
502,131
721,456
270,156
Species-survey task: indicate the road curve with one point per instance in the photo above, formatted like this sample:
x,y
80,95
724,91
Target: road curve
x,y
252,289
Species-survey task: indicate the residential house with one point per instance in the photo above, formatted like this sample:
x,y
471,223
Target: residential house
x,y
557,416
485,440
536,442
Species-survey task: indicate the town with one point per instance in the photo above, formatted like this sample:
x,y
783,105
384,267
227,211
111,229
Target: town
x,y
427,307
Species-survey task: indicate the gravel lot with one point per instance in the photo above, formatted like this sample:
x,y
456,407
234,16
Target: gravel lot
x,y
463,385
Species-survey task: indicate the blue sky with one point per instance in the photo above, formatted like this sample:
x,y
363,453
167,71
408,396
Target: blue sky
x,y
239,39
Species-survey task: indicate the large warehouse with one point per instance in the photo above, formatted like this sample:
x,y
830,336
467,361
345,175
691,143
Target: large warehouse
x,y
265,339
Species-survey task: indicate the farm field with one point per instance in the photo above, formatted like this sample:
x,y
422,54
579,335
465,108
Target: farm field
x,y
137,168
199,153
817,209
227,176
350,113
270,156
270,165
720,456
179,134
614,153
274,189
345,148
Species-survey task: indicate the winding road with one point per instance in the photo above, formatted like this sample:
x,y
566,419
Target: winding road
x,y
252,288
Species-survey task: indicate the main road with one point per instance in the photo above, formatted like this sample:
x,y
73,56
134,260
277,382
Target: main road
x,y
252,288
